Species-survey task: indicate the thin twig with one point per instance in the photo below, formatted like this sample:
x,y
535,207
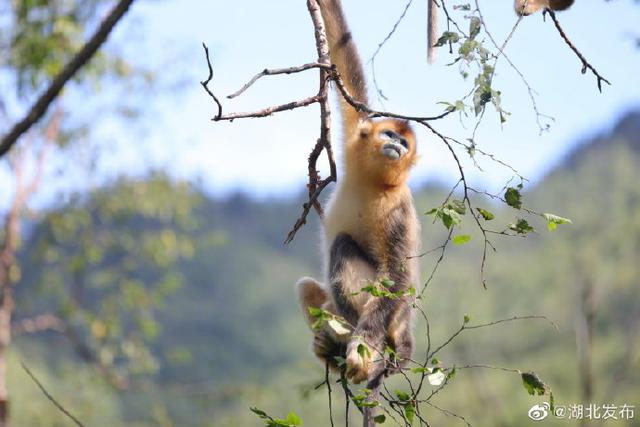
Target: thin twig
x,y
530,90
328,382
514,318
274,72
269,110
372,60
205,83
50,397
449,413
585,64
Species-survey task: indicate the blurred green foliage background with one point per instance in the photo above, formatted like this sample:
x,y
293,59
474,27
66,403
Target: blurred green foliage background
x,y
173,307
231,336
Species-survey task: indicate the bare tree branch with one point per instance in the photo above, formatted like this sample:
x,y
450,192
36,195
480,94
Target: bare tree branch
x,y
315,185
276,71
50,397
585,64
269,110
82,57
205,83
40,323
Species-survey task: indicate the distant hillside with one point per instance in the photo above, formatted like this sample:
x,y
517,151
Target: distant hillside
x,y
237,315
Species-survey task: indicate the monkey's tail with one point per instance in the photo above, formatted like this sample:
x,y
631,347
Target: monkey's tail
x,y
344,55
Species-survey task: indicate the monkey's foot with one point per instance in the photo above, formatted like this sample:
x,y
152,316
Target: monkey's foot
x,y
360,364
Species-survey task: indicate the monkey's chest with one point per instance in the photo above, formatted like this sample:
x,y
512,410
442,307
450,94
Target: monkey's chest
x,y
380,229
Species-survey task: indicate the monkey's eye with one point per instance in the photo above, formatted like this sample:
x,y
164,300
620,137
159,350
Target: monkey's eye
x,y
389,134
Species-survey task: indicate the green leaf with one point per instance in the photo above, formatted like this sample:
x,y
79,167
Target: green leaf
x,y
409,412
458,206
259,412
447,37
387,283
474,27
554,220
450,213
467,47
390,351
461,239
315,312
361,399
513,197
481,97
466,319
521,227
321,316
488,216
451,374
363,351
380,419
293,419
450,217
533,384
402,396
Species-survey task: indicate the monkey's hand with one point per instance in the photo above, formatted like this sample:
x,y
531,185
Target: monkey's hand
x,y
326,348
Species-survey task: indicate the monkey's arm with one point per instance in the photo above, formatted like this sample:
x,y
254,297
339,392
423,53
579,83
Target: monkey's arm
x,y
344,55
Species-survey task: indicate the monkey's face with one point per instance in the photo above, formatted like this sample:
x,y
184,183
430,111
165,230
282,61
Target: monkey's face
x,y
386,151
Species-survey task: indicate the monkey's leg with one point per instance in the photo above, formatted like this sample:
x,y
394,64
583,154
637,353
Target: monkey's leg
x,y
365,351
400,338
351,269
383,319
313,294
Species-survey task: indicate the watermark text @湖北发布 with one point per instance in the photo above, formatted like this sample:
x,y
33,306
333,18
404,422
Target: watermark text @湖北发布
x,y
577,411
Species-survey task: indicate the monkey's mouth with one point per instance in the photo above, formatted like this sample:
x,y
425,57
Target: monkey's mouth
x,y
393,150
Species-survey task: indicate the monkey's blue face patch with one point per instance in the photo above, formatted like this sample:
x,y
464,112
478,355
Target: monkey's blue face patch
x,y
395,146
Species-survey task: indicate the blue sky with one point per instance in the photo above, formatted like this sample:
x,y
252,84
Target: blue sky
x,y
268,156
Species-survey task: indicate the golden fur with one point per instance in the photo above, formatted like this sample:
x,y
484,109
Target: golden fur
x,y
372,208
528,7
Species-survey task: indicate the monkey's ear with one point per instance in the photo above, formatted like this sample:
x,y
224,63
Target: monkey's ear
x,y
365,127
